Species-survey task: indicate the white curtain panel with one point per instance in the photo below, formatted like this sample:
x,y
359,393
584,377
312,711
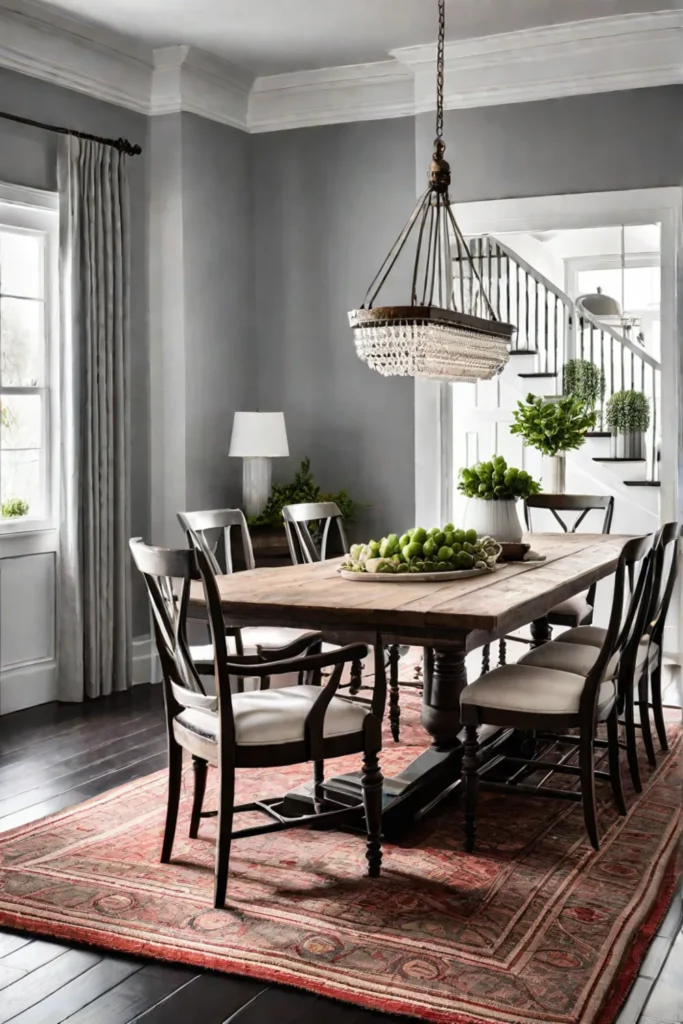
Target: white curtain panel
x,y
93,591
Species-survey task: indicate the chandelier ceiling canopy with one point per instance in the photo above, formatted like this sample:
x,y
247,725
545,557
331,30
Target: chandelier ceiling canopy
x,y
448,329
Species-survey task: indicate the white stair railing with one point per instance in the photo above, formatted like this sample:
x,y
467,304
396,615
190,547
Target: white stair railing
x,y
550,325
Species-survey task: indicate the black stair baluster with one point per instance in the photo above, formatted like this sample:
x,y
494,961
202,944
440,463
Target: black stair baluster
x,y
602,377
536,331
655,467
633,372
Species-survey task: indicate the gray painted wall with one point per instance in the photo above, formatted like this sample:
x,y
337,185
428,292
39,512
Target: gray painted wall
x,y
220,362
202,349
606,142
328,203
28,157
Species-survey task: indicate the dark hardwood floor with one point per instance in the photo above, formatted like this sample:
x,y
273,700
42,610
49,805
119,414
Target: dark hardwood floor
x,y
55,756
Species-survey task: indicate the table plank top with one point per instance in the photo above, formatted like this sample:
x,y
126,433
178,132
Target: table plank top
x,y
315,596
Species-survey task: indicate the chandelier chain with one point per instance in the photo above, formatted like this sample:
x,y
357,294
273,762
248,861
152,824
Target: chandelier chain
x,y
440,69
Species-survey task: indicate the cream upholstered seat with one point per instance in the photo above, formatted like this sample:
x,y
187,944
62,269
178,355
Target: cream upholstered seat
x,y
268,717
593,636
574,656
532,690
577,608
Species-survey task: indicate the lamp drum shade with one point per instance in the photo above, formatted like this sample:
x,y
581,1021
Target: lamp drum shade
x,y
259,435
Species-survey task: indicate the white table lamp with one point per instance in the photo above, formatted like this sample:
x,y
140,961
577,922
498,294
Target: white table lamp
x,y
257,437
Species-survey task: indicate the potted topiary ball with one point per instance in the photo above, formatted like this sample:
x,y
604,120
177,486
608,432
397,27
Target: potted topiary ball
x,y
493,489
628,418
584,380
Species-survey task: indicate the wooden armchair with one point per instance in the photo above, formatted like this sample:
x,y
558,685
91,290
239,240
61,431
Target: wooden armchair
x,y
261,729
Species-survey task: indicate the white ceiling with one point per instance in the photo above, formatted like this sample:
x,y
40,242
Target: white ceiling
x,y
267,37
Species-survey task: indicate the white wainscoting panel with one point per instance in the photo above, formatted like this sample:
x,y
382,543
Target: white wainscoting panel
x,y
27,631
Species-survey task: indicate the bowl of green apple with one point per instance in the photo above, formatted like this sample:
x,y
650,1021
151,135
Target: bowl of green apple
x,y
421,555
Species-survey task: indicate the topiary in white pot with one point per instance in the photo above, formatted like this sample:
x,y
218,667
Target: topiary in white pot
x,y
493,488
628,418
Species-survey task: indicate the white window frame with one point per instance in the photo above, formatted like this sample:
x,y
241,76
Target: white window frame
x,y
34,210
607,262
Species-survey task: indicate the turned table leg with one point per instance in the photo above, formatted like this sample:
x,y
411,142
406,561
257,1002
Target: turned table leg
x,y
541,632
441,699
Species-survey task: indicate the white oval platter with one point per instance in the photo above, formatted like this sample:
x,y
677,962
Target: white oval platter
x,y
411,577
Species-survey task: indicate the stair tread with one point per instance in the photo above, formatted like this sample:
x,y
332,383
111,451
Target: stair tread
x,y
537,375
524,352
614,458
643,483
598,433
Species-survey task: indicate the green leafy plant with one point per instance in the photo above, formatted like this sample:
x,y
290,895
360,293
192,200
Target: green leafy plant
x,y
553,427
13,508
496,481
585,381
628,412
302,489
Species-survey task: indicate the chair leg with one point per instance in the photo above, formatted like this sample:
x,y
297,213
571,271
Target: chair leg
x,y
200,768
372,781
175,774
394,706
485,659
226,802
502,652
657,708
614,760
318,779
644,708
356,677
470,767
631,742
587,766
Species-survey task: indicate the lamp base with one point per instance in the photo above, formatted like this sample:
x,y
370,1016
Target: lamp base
x,y
256,482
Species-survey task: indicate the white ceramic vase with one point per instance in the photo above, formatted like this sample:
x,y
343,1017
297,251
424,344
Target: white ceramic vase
x,y
554,476
497,519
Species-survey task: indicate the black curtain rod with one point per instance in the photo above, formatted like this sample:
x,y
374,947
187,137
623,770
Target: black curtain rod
x,y
122,145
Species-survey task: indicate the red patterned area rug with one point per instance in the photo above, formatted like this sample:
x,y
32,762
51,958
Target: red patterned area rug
x,y
534,928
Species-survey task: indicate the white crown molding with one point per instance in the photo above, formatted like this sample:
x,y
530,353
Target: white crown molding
x,y
601,55
187,79
47,44
359,92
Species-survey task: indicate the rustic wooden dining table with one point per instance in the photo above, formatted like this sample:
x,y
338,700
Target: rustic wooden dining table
x,y
451,618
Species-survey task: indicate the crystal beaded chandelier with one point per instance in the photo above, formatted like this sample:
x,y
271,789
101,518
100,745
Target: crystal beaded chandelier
x,y
450,329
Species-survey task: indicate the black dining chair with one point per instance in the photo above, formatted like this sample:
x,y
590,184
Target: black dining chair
x,y
211,532
578,647
577,610
665,582
307,544
572,688
265,728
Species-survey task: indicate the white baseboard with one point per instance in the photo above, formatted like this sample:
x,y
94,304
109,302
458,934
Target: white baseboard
x,y
28,685
146,667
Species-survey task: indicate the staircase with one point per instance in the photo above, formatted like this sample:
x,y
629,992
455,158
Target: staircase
x,y
550,331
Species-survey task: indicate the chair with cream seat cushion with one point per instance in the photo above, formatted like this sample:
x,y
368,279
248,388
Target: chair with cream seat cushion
x,y
553,699
267,728
304,548
211,532
631,665
576,610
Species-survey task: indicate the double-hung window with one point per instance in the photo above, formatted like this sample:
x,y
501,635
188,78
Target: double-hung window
x,y
28,332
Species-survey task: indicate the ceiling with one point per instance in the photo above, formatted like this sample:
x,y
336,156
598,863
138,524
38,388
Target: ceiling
x,y
269,37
